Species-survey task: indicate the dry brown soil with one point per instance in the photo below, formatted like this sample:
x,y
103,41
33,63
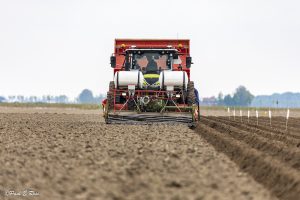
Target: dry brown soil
x,y
73,154
268,152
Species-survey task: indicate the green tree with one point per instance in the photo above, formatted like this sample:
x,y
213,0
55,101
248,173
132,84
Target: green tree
x,y
242,97
61,99
228,100
2,99
86,96
220,99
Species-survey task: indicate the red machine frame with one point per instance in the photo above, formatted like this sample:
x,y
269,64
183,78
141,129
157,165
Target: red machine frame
x,y
182,46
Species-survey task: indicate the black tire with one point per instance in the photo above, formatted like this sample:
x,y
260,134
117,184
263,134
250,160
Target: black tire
x,y
111,89
191,98
110,95
110,100
111,86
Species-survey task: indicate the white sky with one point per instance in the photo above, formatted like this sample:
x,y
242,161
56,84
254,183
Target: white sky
x,y
61,47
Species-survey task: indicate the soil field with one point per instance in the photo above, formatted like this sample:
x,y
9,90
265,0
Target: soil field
x,y
268,152
263,112
73,154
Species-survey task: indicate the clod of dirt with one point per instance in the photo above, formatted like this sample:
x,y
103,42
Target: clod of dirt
x,y
174,184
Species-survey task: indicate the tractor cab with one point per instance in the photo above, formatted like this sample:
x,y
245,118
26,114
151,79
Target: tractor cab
x,y
151,62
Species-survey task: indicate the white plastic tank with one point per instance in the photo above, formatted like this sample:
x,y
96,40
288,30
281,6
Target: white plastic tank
x,y
125,78
173,78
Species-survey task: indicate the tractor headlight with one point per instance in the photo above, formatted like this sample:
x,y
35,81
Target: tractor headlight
x,y
177,95
123,94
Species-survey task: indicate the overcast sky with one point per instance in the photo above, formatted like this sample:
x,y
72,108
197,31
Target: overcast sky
x,y
63,46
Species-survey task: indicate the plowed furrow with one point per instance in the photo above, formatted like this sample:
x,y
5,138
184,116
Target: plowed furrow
x,y
265,127
281,122
279,150
293,132
282,180
267,134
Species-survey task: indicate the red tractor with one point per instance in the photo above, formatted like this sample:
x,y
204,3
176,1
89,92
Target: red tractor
x,y
151,83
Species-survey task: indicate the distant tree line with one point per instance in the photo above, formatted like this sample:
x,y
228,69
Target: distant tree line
x,y
85,97
35,99
2,99
241,97
285,100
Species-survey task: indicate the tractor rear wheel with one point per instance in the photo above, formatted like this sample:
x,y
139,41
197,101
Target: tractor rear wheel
x,y
111,86
191,98
110,95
